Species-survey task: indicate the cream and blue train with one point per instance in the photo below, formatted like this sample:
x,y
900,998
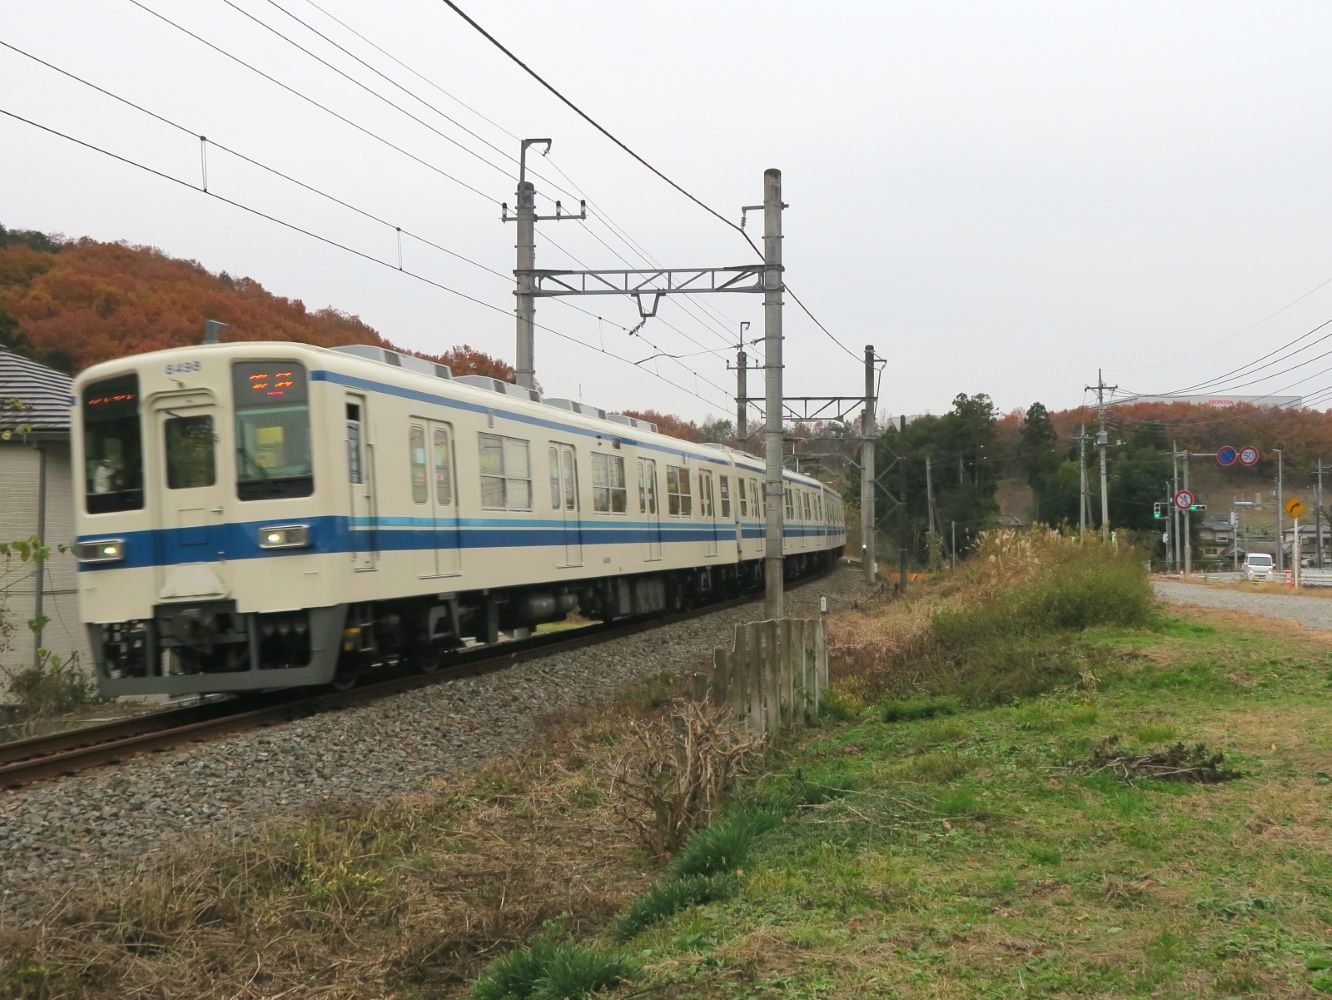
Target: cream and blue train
x,y
263,515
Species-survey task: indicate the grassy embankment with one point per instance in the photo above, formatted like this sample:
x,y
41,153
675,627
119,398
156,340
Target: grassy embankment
x,y
958,826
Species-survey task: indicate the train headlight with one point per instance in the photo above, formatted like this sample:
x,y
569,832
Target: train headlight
x,y
284,536
102,550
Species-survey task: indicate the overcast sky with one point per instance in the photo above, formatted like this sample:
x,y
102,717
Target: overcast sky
x,y
1001,197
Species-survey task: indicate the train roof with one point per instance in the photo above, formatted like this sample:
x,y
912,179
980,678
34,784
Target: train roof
x,y
480,391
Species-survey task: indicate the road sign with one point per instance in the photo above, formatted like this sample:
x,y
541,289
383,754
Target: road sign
x,y
1249,455
1226,455
1183,500
1294,507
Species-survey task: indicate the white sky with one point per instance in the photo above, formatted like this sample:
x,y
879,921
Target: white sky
x,y
1001,197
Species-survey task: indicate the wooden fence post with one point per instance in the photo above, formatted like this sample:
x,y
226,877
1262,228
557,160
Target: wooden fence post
x,y
771,669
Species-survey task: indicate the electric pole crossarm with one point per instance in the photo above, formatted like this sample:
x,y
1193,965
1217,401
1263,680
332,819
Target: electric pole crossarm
x,y
661,281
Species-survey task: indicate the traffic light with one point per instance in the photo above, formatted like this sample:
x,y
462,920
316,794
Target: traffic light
x,y
1198,507
1156,511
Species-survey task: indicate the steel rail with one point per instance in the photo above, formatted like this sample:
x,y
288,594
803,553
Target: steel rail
x,y
60,754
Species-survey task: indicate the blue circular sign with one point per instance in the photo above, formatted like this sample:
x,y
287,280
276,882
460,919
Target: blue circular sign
x,y
1226,455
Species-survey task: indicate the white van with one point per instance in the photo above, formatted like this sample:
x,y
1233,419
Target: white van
x,y
1258,566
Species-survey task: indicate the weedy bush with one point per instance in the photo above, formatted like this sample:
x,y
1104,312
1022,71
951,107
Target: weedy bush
x,y
724,846
1003,633
50,687
675,772
670,896
549,970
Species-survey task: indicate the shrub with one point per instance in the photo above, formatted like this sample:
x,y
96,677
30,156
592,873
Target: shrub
x,y
670,896
724,846
548,970
50,687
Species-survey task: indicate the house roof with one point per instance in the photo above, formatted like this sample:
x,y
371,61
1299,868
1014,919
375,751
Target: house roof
x,y
44,393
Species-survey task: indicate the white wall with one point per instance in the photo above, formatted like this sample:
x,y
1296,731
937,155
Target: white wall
x,y
63,635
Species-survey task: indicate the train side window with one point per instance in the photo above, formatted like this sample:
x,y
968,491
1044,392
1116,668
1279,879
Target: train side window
x,y
354,472
443,467
790,505
724,485
417,449
610,494
678,499
648,473
190,458
742,495
553,456
506,474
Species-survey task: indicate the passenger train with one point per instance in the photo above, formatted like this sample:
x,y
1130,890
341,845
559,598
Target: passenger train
x,y
266,515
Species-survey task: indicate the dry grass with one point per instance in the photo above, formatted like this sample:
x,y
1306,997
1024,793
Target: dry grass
x,y
413,897
675,772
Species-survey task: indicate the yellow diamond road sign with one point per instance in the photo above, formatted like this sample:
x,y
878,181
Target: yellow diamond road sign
x,y
1294,507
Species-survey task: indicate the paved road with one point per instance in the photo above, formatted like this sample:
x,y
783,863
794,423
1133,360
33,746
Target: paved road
x,y
1314,612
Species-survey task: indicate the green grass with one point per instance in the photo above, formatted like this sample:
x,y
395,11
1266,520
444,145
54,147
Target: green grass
x,y
547,970
963,857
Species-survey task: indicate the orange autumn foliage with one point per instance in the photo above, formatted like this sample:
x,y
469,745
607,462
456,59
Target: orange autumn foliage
x,y
89,302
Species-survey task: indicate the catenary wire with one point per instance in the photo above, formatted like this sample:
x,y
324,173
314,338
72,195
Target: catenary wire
x,y
310,100
600,215
392,104
1225,340
600,128
332,242
251,160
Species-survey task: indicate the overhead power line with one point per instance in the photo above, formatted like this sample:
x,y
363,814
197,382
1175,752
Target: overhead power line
x,y
593,122
259,213
605,132
490,199
374,93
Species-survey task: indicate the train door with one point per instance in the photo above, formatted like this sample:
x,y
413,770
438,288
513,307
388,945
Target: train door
x,y
648,507
193,498
564,500
444,498
361,527
730,510
708,510
434,498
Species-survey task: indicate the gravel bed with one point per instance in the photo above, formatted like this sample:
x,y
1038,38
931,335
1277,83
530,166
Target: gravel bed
x,y
54,835
1313,612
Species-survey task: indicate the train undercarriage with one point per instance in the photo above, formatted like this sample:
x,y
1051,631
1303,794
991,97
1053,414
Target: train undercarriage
x,y
211,647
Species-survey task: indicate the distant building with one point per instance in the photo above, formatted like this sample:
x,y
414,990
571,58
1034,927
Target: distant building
x,y
36,499
1308,541
1222,400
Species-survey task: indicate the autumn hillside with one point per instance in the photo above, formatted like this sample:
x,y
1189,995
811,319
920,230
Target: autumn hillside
x,y
70,304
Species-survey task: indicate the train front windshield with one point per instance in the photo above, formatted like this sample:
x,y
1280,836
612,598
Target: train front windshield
x,y
272,430
112,445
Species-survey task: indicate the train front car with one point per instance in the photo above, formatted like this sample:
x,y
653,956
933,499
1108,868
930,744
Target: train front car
x,y
197,481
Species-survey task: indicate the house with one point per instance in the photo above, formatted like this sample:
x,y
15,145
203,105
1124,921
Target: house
x,y
1309,537
1216,539
36,500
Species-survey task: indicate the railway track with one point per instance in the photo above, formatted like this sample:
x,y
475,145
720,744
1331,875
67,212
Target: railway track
x,y
23,762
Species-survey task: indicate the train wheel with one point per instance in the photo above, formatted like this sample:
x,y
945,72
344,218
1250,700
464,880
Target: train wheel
x,y
345,677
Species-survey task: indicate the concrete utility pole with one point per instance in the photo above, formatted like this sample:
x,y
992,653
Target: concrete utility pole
x,y
1318,515
1102,442
1188,531
527,218
772,340
1175,545
1082,480
1280,510
867,484
929,494
902,522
